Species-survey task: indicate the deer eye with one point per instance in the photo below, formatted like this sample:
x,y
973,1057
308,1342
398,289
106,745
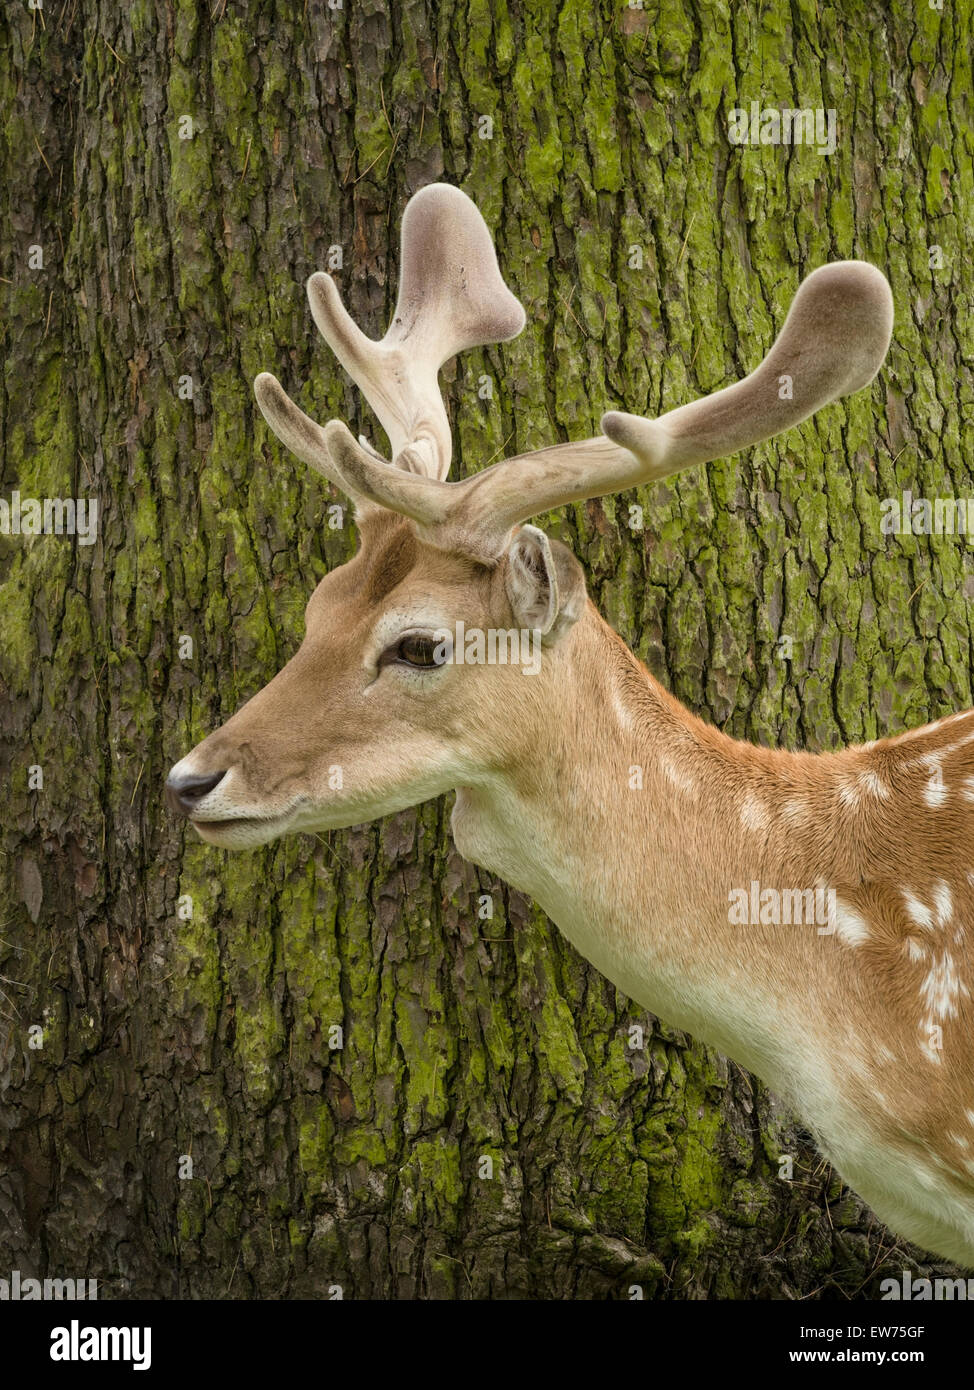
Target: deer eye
x,y
418,649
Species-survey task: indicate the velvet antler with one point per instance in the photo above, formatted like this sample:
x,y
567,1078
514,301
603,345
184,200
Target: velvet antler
x,y
833,342
451,297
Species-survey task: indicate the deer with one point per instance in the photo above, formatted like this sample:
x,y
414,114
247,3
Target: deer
x,y
862,1026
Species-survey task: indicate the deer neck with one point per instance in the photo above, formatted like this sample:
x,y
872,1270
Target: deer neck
x,y
632,824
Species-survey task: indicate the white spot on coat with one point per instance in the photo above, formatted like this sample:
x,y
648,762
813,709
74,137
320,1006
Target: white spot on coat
x,y
754,813
943,902
872,783
849,793
917,911
850,926
935,793
680,780
941,988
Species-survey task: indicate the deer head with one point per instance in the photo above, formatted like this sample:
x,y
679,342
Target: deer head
x,y
373,714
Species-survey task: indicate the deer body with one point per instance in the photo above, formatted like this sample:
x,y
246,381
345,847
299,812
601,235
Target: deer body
x,y
837,1020
633,823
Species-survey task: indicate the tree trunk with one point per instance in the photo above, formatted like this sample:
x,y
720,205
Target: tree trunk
x,y
281,1073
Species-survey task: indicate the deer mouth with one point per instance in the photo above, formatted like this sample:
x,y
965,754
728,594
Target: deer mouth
x,y
246,830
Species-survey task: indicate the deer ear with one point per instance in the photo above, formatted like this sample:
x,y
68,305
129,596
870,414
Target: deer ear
x,y
545,584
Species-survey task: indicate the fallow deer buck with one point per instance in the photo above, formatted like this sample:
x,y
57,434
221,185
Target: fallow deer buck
x,y
866,1028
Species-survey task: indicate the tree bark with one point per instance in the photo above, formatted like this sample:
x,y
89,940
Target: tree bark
x,y
192,1124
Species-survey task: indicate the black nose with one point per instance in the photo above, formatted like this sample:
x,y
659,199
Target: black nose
x,y
183,793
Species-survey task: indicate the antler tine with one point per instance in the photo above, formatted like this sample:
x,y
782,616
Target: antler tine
x,y
305,437
297,431
451,297
833,342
